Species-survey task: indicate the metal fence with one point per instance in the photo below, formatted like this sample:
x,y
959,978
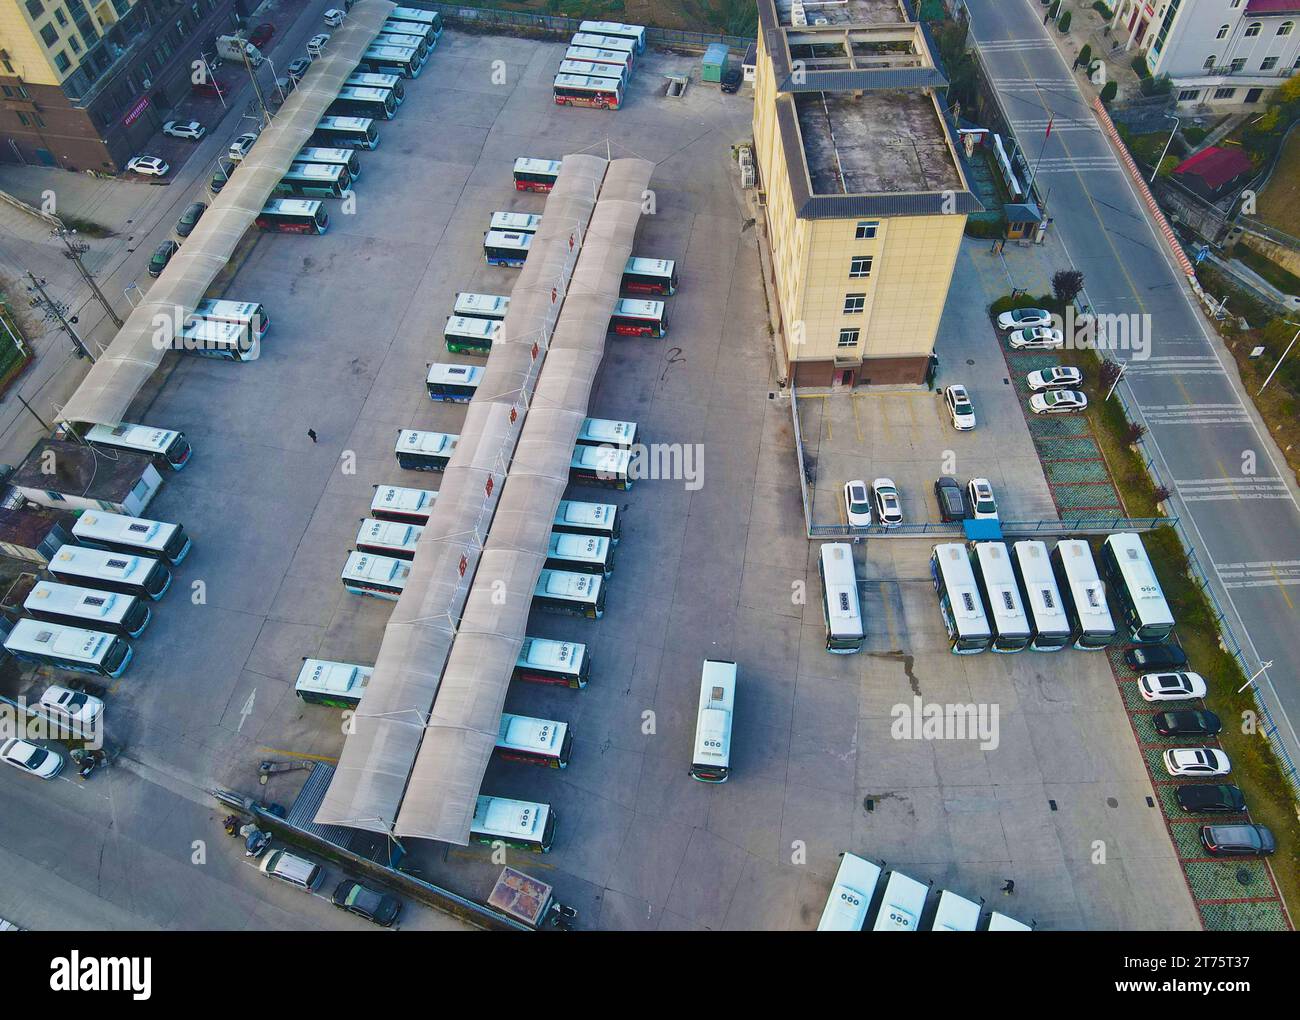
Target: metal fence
x,y
559,27
1083,524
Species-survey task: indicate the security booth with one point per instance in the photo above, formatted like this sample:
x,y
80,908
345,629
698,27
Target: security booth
x,y
1022,219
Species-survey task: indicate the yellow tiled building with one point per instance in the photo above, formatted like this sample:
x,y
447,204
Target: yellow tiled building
x,y
865,196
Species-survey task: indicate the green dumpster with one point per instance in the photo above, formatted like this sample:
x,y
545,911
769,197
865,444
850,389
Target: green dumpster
x,y
715,62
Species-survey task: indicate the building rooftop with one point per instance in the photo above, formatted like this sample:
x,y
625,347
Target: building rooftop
x,y
27,528
801,13
80,470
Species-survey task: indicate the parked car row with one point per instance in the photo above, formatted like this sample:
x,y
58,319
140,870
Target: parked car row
x,y
301,873
880,503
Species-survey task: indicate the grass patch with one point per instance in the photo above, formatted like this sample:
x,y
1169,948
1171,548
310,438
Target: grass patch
x,y
1279,202
87,228
1285,281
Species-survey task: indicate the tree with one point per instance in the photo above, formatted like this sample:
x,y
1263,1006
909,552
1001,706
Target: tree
x,y
1108,91
1108,373
1066,285
1084,57
1134,433
1064,23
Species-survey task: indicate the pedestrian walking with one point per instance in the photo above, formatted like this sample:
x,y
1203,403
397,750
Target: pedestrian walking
x,y
1009,888
311,434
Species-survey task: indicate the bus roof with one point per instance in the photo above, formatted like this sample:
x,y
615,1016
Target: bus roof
x,y
1086,587
1039,583
597,55
1000,922
405,53
529,165
396,497
315,171
1135,567
602,42
119,566
510,817
587,548
333,677
144,436
638,308
100,525
507,239
57,639
900,910
850,895
389,533
616,27
582,81
607,430
72,600
376,568
468,303
426,442
468,325
572,511
459,375
554,654
214,329
568,584
955,913
527,733
364,92
346,123
611,460
713,723
521,222
589,69
841,582
1000,582
293,206
650,267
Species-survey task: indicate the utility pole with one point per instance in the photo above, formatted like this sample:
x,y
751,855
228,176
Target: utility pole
x,y
55,311
75,249
257,89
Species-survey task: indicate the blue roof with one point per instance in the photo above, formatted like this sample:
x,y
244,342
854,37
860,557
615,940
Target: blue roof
x,y
716,53
988,529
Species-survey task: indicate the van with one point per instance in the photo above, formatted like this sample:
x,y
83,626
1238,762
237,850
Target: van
x,y
297,871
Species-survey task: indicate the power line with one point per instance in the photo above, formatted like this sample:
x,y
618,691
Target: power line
x,y
55,311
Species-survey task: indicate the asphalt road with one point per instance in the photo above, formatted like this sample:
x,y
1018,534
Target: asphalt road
x,y
1231,491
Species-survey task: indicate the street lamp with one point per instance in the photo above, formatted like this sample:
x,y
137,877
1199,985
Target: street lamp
x,y
1283,358
1166,148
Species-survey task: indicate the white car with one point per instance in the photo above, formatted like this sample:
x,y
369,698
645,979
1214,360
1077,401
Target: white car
x,y
317,42
150,166
1020,318
889,508
1040,338
334,17
1058,402
857,504
960,408
979,495
1196,762
1055,377
69,706
23,754
240,147
191,129
1176,686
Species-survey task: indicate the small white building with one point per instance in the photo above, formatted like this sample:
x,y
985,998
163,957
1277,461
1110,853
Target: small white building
x,y
73,476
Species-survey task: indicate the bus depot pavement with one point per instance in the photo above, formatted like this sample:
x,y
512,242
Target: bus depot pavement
x,y
722,571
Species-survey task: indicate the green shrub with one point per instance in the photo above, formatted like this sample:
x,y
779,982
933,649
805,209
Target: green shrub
x,y
1139,65
1108,91
1064,23
1100,7
1194,134
978,226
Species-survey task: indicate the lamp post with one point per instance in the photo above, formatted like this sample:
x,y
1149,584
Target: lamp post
x,y
1166,148
1281,359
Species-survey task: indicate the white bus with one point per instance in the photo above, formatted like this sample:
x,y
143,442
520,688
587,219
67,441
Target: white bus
x,y
366,80
535,174
421,17
406,27
424,451
711,762
110,571
607,432
841,607
249,314
467,335
208,339
955,913
545,661
1141,602
454,384
388,538
390,38
563,591
650,276
356,101
100,529
850,898
400,60
331,157
590,41
480,306
997,583
637,317
380,576
575,517
579,68
959,599
293,216
1001,922
398,503
519,222
584,90
534,741
165,446
517,823
615,60
71,648
1084,594
901,906
506,248
583,553
601,465
127,615
1047,617
616,30
336,684
355,132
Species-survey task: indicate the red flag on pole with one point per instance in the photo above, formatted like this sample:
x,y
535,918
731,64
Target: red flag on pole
x,y
1050,121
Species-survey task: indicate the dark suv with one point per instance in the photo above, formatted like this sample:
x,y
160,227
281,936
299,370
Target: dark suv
x,y
1146,658
1211,799
190,219
1187,723
162,256
1245,840
951,498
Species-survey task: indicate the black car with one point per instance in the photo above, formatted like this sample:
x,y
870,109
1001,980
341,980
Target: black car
x,y
190,219
1244,840
731,79
162,256
1211,799
219,179
1187,723
1145,658
951,498
373,906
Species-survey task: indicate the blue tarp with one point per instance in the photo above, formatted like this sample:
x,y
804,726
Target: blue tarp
x,y
986,530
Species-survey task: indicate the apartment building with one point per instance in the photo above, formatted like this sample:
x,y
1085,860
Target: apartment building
x,y
1216,52
84,83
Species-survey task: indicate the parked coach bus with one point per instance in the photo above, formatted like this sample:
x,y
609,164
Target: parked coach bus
x,y
454,384
545,661
506,248
607,432
377,104
382,577
331,157
421,17
616,30
396,26
409,506
389,39
466,335
616,60
101,529
353,132
403,61
635,317
336,684
166,447
313,180
841,606
534,741
293,216
1084,595
561,591
480,306
127,615
581,90
997,583
850,897
536,174
424,451
711,761
1141,602
955,913
226,340
650,276
516,823
388,538
601,465
70,648
1047,619
585,553
588,40
574,517
959,599
901,906
592,69
249,314
94,568
392,82
516,222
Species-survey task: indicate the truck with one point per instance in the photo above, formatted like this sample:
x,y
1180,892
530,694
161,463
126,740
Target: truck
x,y
236,47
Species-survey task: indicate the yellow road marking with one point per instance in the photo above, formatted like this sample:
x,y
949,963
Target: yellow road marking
x,y
1282,588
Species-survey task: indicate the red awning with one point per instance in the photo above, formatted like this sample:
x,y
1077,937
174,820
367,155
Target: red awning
x,y
1216,166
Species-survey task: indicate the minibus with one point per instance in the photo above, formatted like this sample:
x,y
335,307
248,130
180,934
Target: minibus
x,y
517,823
588,554
335,684
546,661
382,577
575,517
534,741
388,538
397,503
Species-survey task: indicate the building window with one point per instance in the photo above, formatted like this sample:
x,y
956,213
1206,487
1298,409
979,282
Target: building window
x,y
848,338
1237,65
860,266
1223,32
22,118
57,497
854,304
1209,61
866,230
61,61
1268,64
121,6
1252,29
1188,95
35,8
49,35
60,17
1224,93
1285,28
75,43
1235,4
